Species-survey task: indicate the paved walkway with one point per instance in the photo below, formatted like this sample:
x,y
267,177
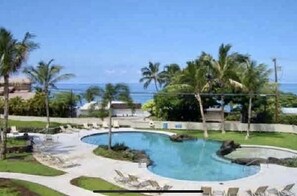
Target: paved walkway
x,y
70,146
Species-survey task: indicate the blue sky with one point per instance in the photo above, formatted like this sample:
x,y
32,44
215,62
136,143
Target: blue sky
x,y
111,40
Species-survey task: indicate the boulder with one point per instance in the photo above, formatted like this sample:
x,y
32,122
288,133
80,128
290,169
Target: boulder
x,y
227,147
181,137
249,161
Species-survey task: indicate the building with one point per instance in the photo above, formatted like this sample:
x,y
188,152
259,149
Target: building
x,y
289,111
119,109
18,87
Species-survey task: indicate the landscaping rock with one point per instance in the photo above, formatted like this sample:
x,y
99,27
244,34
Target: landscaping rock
x,y
181,137
227,147
249,161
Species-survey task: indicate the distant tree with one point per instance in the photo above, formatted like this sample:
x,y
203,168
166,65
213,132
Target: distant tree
x,y
169,72
91,93
111,93
13,54
224,72
253,78
193,78
45,76
151,73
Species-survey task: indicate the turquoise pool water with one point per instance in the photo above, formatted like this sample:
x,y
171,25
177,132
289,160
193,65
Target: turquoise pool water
x,y
190,160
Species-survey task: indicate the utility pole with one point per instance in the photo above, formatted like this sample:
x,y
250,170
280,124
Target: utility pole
x,y
276,90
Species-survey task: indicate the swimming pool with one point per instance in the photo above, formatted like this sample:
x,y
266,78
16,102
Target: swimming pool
x,y
190,160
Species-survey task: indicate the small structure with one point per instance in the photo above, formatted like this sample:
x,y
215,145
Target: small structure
x,y
119,109
213,115
18,87
289,111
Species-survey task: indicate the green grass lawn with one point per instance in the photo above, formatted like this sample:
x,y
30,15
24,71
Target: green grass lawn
x,y
11,187
29,124
15,142
285,140
90,183
25,163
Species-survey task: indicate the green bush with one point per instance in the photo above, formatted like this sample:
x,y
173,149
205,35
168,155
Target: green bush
x,y
288,119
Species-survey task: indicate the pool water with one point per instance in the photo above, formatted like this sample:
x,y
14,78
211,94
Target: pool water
x,y
189,160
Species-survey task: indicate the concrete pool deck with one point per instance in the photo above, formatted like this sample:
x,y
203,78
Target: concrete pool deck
x,y
70,145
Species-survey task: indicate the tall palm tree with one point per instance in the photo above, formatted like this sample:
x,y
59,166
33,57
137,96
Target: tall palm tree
x,y
13,53
193,79
91,93
253,78
111,93
224,71
169,72
45,76
151,73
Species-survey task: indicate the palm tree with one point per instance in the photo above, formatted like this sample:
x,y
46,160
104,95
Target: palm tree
x,y
151,73
91,93
169,72
253,78
111,93
13,54
193,79
45,76
224,71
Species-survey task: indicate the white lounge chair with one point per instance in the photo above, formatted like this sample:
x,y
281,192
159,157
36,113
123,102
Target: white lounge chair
x,y
260,191
86,126
156,185
207,191
121,177
232,191
64,130
96,126
285,191
105,125
69,127
14,130
116,124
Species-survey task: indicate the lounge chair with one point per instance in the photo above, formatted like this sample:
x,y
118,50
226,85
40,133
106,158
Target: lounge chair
x,y
116,124
285,191
86,126
121,177
64,130
233,191
105,125
133,180
14,130
156,185
260,191
96,126
69,127
207,191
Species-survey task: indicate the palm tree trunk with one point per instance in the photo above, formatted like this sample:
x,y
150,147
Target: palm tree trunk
x,y
156,86
47,110
249,118
222,115
4,136
109,126
198,97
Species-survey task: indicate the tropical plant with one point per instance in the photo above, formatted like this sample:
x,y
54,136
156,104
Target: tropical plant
x,y
13,53
169,72
253,78
91,93
111,93
224,73
45,76
63,104
151,73
193,78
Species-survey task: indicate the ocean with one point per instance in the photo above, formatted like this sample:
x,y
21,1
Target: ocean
x,y
141,95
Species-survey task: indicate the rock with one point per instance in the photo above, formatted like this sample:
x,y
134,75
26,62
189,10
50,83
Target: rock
x,y
249,161
181,137
227,147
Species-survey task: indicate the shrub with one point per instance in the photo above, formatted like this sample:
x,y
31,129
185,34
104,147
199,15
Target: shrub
x,y
288,119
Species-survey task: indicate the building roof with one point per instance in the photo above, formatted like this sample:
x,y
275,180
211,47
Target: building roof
x,y
17,80
289,110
